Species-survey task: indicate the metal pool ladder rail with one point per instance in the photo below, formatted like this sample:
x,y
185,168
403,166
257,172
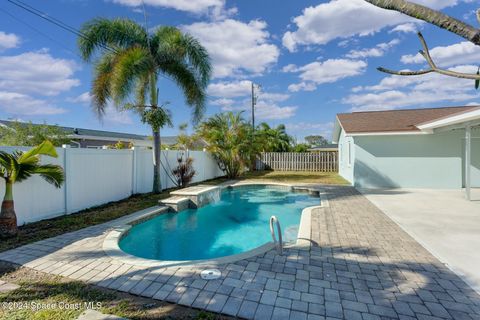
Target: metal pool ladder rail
x,y
279,243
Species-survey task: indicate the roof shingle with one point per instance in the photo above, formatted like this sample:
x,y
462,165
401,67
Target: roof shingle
x,y
395,120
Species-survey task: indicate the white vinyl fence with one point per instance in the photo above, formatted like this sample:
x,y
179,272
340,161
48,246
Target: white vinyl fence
x,y
97,176
324,161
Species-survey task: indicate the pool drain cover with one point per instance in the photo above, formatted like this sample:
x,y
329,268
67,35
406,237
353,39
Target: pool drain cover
x,y
211,274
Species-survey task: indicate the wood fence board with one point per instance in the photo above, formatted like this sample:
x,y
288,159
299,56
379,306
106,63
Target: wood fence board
x,y
325,161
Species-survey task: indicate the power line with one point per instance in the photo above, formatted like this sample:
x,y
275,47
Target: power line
x,y
53,20
39,32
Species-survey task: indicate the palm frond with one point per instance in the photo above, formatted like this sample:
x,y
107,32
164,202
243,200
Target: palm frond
x,y
197,57
193,90
141,89
101,83
117,33
6,160
53,174
132,64
31,156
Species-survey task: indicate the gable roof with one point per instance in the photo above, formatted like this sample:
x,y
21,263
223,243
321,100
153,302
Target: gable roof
x,y
405,120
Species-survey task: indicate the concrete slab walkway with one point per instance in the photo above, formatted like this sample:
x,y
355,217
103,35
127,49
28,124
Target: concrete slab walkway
x,y
442,220
360,265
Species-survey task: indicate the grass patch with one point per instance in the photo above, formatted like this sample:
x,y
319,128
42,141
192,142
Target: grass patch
x,y
40,289
44,229
298,176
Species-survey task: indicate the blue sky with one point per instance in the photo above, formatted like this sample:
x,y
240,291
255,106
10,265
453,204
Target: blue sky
x,y
313,59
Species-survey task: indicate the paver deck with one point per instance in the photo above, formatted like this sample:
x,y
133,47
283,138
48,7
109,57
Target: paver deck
x,y
361,265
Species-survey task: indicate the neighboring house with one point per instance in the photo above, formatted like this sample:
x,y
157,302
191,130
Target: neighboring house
x,y
328,147
87,138
415,148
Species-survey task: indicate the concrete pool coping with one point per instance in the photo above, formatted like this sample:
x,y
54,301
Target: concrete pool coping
x,y
304,237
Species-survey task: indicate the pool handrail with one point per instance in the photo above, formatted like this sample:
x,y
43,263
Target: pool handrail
x,y
278,243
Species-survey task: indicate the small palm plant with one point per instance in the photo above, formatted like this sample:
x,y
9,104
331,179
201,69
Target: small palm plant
x,y
18,167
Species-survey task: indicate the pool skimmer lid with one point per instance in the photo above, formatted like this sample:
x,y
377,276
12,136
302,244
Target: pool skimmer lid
x,y
211,274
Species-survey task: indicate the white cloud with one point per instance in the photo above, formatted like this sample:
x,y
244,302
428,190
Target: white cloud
x,y
327,71
238,89
8,40
236,47
273,96
405,28
306,128
302,86
197,6
264,110
22,104
37,72
398,91
230,89
377,51
344,19
271,111
84,98
459,53
235,96
116,116
223,102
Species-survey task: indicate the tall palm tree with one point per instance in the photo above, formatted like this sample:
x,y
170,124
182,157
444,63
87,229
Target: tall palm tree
x,y
128,62
18,167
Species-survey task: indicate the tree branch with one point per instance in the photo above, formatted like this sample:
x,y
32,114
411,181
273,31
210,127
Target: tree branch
x,y
433,67
404,73
432,16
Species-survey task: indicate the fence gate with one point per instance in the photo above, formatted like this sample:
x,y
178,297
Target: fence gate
x,y
325,161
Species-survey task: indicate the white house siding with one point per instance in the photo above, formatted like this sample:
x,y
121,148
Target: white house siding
x,y
410,161
94,177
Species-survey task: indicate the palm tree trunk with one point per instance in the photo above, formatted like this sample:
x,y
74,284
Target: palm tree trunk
x,y
8,218
157,147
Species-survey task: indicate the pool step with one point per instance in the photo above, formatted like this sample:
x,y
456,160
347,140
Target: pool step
x,y
176,203
199,195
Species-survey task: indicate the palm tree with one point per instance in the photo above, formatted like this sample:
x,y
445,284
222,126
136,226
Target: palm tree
x,y
229,139
275,139
18,167
129,61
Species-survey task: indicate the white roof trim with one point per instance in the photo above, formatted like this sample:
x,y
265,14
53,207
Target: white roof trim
x,y
386,133
137,142
455,119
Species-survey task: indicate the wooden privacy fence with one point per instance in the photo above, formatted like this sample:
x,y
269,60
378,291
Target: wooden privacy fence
x,y
325,161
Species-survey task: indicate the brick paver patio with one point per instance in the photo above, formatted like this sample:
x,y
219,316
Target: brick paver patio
x,y
361,265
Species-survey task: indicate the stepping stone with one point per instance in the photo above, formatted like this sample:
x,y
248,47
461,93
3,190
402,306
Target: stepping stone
x,y
7,287
96,315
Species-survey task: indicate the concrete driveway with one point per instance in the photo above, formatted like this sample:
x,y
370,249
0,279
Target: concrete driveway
x,y
443,221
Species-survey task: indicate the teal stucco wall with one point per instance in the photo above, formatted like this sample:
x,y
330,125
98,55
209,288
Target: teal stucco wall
x,y
411,161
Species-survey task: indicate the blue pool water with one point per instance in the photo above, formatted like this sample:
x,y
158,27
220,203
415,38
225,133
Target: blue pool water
x,y
238,222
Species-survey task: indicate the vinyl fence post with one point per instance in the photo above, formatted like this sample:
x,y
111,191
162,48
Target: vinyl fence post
x,y
134,169
66,167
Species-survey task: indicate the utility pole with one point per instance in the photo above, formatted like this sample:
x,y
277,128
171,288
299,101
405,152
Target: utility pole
x,y
254,102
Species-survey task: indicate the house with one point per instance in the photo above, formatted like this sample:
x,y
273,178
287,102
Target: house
x,y
414,148
88,138
327,147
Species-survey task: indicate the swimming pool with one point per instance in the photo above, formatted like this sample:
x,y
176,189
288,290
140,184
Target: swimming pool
x,y
236,223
